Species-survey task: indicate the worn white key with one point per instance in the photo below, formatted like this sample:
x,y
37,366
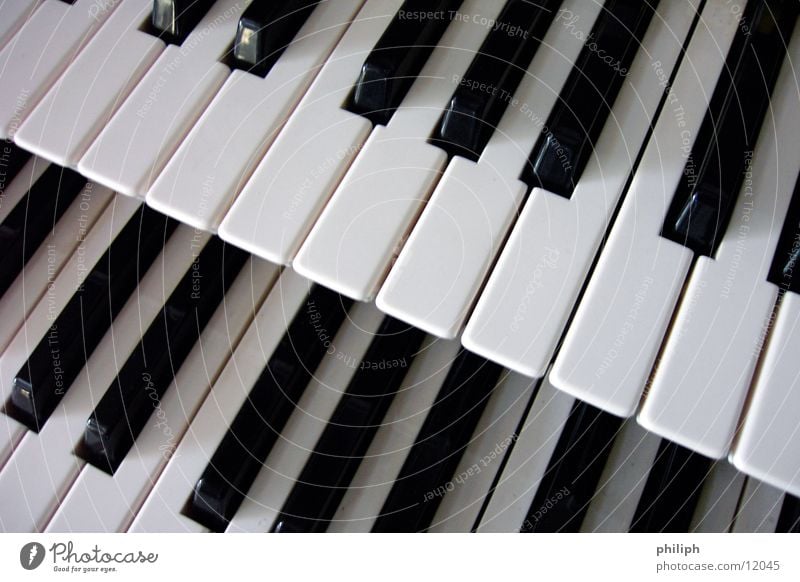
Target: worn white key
x,y
83,100
527,463
50,452
163,509
363,226
493,436
624,476
143,134
759,509
286,460
716,506
526,303
284,196
609,349
13,14
707,363
437,275
98,501
232,135
41,50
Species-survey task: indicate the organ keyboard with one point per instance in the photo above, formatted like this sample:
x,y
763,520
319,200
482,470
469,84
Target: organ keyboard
x,y
396,265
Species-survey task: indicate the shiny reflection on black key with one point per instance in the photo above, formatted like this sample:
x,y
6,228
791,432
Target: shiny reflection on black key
x,y
574,125
12,158
265,29
672,490
55,362
345,440
175,19
789,517
242,451
787,251
722,152
489,84
571,479
33,218
398,57
417,491
127,405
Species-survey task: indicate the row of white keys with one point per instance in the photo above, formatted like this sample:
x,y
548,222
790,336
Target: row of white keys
x,y
44,465
42,316
98,501
527,462
768,445
718,500
134,146
82,101
483,457
286,460
41,50
707,362
612,342
232,135
390,447
163,509
759,509
363,226
527,301
441,268
283,198
13,14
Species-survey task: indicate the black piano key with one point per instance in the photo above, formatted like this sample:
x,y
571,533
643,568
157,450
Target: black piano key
x,y
265,30
126,406
574,471
12,158
787,251
573,127
342,445
55,362
242,451
492,78
33,218
722,152
398,57
672,490
415,495
173,20
789,517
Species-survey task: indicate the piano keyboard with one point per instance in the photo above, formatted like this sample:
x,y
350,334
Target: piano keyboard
x,y
399,265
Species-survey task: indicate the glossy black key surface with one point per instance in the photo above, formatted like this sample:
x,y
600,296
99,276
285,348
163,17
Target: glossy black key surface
x,y
722,152
398,57
12,158
789,517
448,428
33,218
345,440
242,451
265,30
574,125
488,86
55,362
785,269
126,406
672,490
571,479
175,19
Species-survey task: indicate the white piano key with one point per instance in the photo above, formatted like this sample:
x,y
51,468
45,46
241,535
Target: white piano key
x,y
50,452
98,501
707,363
19,186
232,135
143,134
77,107
286,460
391,445
163,509
362,228
609,349
284,196
441,268
759,508
493,436
13,14
521,313
719,499
768,445
527,462
41,50
624,476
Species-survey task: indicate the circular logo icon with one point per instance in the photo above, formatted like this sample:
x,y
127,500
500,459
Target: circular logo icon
x,y
31,555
